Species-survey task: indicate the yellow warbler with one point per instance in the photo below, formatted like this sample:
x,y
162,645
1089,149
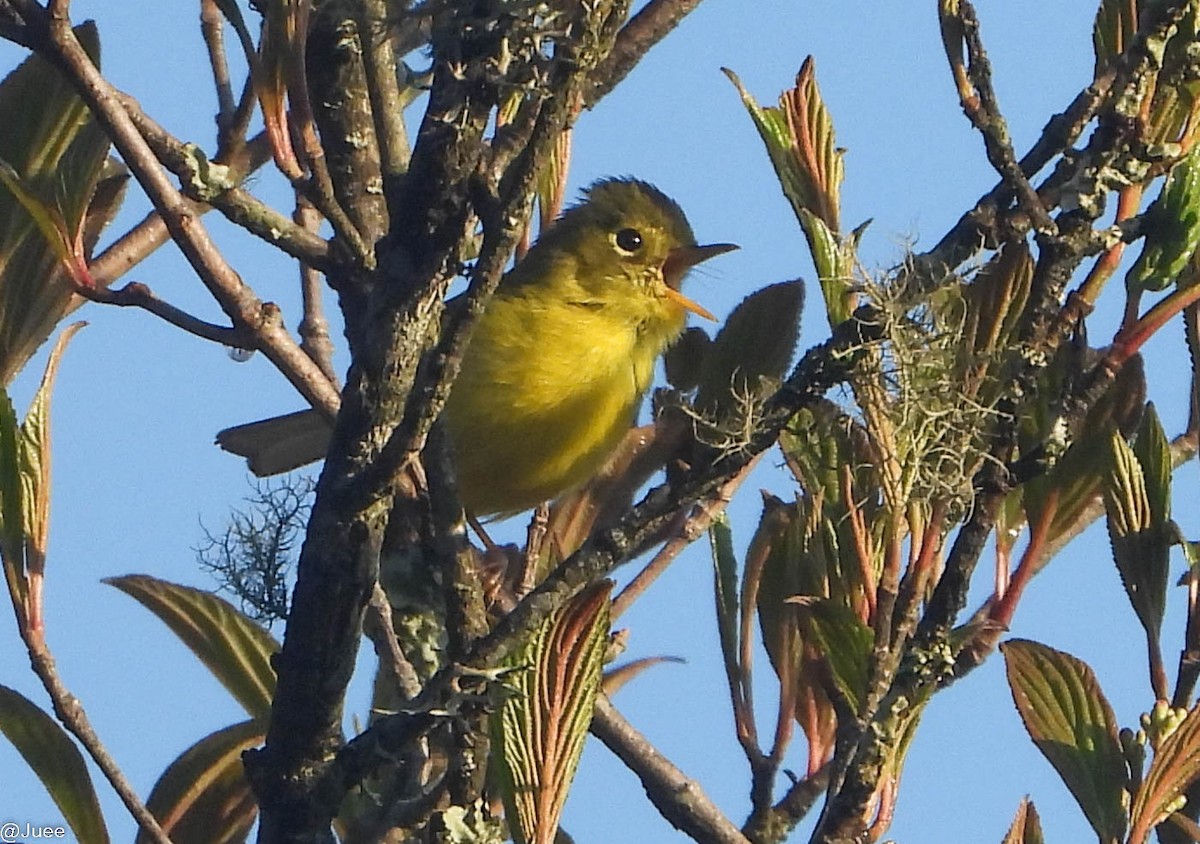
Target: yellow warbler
x,y
559,361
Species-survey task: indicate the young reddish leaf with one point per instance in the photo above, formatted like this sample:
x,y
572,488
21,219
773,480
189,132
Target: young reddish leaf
x,y
203,797
55,154
12,520
801,144
616,678
1026,826
552,181
235,649
35,455
1114,29
800,139
1071,722
1176,766
538,733
53,756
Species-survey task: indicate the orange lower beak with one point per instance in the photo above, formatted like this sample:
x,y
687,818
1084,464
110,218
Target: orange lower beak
x,y
686,303
679,261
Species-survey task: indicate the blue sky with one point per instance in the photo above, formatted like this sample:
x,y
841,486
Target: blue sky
x,y
138,403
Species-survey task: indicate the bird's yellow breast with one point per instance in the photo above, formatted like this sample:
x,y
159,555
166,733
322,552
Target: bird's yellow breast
x,y
572,376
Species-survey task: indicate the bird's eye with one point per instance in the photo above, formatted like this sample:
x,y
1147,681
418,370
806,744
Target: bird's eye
x,y
628,241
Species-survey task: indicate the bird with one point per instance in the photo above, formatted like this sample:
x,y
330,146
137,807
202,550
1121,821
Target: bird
x,y
558,363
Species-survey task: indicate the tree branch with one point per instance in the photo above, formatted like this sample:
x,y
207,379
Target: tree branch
x,y
215,185
984,113
676,796
133,247
651,24
58,43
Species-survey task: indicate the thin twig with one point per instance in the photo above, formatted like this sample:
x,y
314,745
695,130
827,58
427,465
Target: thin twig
x,y
538,525
73,716
984,113
138,295
232,132
698,522
378,626
387,106
792,807
314,327
212,30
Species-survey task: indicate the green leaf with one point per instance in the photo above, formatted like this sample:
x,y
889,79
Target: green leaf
x,y
1071,722
53,756
1137,506
203,797
834,261
46,216
1153,451
12,519
56,154
845,643
753,348
684,360
1026,826
1173,228
1075,481
35,457
1176,766
235,649
720,536
538,732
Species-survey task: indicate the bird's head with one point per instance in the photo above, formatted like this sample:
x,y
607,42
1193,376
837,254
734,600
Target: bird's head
x,y
630,245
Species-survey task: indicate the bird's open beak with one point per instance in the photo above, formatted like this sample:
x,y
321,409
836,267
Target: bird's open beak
x,y
679,261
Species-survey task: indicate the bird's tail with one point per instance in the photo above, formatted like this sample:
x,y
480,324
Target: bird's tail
x,y
279,444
